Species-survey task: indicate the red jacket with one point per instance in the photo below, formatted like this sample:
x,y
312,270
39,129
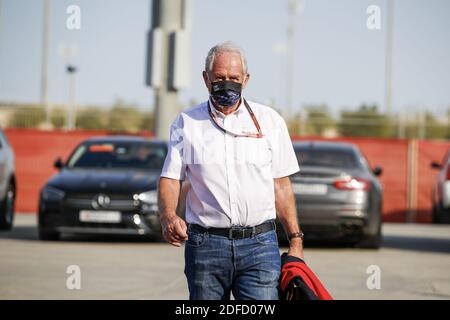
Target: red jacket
x,y
298,282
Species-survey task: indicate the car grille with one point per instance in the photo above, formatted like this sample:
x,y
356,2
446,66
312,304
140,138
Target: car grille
x,y
90,196
117,202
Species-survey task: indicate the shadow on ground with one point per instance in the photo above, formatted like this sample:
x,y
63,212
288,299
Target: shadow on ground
x,y
20,233
30,233
410,243
423,244
400,242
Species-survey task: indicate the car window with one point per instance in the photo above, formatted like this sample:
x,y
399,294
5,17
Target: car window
x,y
326,158
140,155
364,161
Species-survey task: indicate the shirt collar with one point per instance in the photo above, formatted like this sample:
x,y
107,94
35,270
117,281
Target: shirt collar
x,y
222,115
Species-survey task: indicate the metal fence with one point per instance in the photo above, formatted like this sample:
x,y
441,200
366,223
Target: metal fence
x,y
122,119
129,119
411,126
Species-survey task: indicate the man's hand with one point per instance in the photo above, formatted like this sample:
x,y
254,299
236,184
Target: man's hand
x,y
296,248
174,230
173,227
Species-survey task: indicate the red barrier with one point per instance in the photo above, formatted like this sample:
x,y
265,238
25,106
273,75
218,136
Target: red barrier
x,y
429,151
36,151
392,156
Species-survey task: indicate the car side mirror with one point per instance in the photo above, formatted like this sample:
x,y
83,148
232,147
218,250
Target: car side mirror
x,y
377,171
436,165
58,164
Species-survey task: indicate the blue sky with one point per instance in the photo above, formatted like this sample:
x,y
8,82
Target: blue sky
x,y
339,62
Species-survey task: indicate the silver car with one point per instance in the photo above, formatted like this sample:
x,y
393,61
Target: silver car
x,y
441,191
7,183
338,196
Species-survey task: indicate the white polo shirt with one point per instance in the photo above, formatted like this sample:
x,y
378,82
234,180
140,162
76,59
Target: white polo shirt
x,y
231,177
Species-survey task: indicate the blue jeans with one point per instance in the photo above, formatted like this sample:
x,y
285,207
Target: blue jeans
x,y
216,266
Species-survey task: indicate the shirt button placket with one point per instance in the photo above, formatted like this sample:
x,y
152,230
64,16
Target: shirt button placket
x,y
229,151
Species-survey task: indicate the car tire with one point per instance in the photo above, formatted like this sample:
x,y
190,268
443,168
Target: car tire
x,y
7,208
436,217
439,216
371,241
46,235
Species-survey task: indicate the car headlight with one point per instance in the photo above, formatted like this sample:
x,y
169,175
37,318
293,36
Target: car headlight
x,y
52,194
148,197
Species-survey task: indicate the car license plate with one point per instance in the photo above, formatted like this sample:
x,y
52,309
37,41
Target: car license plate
x,y
100,216
310,189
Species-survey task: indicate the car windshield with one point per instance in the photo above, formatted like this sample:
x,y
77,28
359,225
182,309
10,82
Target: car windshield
x,y
116,155
326,158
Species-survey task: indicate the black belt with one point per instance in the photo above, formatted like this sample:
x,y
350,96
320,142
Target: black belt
x,y
235,233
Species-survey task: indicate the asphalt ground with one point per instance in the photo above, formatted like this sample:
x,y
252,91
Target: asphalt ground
x,y
413,263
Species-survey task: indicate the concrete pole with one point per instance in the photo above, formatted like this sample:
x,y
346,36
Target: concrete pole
x,y
167,16
71,112
422,125
44,63
0,25
292,9
0,16
388,56
280,49
303,117
401,125
411,196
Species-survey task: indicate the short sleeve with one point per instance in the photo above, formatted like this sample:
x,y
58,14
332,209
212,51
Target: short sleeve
x,y
284,160
174,164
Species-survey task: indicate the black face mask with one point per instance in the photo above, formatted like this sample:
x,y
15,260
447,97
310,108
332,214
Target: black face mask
x,y
226,93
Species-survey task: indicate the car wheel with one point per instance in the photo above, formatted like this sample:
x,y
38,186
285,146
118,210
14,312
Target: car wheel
x,y
7,209
436,215
46,235
46,232
371,241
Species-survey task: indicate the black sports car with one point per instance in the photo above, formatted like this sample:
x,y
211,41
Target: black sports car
x,y
107,186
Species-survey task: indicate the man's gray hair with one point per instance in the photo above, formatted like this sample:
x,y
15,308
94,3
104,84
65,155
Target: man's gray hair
x,y
225,47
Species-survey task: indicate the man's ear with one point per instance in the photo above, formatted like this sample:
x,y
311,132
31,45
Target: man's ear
x,y
246,78
206,80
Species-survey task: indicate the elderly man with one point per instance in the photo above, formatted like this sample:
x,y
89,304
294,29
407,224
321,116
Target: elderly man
x,y
236,156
